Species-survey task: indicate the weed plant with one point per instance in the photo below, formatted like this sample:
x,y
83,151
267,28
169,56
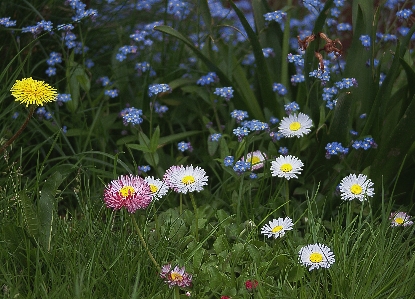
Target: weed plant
x,y
207,149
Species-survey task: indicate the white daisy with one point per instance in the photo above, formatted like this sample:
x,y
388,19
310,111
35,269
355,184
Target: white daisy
x,y
286,167
295,125
158,187
256,159
316,256
358,187
277,227
185,179
400,219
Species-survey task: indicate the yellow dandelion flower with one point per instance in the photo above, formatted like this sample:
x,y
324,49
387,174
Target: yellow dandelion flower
x,y
29,91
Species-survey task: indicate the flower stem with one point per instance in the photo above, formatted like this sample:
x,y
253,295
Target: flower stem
x,y
176,293
287,192
181,204
144,243
10,141
196,216
216,116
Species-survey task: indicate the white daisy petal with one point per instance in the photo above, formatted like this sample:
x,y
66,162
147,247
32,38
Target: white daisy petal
x,y
185,179
277,227
315,256
400,219
158,187
286,167
295,125
256,159
356,187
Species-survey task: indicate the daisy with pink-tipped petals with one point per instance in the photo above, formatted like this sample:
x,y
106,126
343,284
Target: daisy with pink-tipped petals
x,y
176,277
129,191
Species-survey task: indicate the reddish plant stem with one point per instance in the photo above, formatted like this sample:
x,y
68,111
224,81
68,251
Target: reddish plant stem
x,y
10,141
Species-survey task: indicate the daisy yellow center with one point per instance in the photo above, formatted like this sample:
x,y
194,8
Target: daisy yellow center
x,y
126,191
316,257
277,229
176,276
295,126
153,188
286,167
356,189
399,220
253,160
188,179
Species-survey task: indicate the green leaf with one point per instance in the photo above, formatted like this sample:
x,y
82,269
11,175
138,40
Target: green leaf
x,y
83,80
224,150
241,82
254,253
115,158
198,257
339,126
29,214
212,146
171,138
380,105
155,139
270,35
181,82
76,132
47,208
264,79
241,149
126,139
364,94
152,159
238,95
310,61
410,75
76,78
220,244
143,139
205,12
139,147
295,273
392,153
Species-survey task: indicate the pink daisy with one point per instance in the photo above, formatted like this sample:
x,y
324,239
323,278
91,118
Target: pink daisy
x,y
128,191
176,277
400,219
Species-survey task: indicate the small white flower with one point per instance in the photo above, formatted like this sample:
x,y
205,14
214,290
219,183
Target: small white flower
x,y
256,159
295,125
286,167
158,187
359,187
400,219
277,227
316,256
185,179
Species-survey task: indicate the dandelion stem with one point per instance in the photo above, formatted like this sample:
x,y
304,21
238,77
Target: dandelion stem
x,y
196,216
10,141
176,293
144,243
